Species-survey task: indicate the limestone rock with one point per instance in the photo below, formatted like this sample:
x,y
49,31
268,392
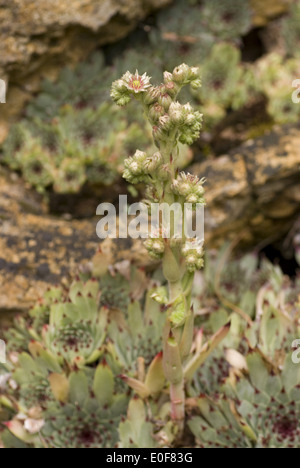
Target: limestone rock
x,y
36,250
265,10
254,191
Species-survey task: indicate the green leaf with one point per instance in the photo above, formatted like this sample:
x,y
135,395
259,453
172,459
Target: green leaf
x,y
197,360
79,391
259,374
103,385
290,374
135,319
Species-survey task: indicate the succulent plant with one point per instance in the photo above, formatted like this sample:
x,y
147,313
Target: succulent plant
x,y
116,291
221,75
240,382
141,57
85,86
249,386
259,406
180,27
215,426
136,431
57,388
78,147
282,108
83,411
138,337
268,400
181,256
275,76
89,417
291,30
227,19
76,328
276,324
259,300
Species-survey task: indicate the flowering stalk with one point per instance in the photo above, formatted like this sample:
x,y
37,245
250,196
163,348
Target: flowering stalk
x,y
172,123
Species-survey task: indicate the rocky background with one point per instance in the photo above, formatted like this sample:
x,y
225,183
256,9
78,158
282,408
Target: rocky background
x,y
252,190
38,38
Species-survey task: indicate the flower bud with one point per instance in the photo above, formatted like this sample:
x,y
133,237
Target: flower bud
x,y
181,188
176,113
155,247
192,198
188,108
134,167
190,119
168,77
194,73
165,122
140,156
181,73
193,253
160,295
165,101
151,95
196,84
153,162
156,111
119,93
158,134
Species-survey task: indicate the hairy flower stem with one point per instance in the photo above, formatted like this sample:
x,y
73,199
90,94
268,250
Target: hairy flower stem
x,y
172,123
177,395
178,405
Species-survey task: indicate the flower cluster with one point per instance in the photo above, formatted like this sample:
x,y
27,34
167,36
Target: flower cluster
x,y
140,166
155,247
190,187
172,123
129,84
166,116
193,253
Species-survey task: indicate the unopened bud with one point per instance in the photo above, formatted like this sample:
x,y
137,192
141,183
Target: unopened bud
x,y
176,113
151,95
181,73
196,84
155,247
165,101
153,162
168,77
165,122
156,111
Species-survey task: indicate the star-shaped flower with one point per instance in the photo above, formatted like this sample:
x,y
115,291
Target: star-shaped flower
x,y
136,83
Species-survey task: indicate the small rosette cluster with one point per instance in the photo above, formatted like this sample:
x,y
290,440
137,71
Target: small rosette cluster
x,y
193,253
190,188
166,116
140,167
